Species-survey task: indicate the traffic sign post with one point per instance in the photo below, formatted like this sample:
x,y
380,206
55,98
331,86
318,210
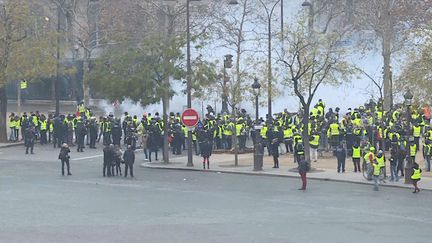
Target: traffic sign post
x,y
190,119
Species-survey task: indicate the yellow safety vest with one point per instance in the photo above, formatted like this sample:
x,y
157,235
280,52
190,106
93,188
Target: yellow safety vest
x,y
35,120
356,153
413,150
44,126
416,174
334,129
315,141
12,123
288,133
228,129
263,132
416,131
380,161
377,169
239,128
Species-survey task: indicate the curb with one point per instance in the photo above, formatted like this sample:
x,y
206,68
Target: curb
x,y
8,145
275,175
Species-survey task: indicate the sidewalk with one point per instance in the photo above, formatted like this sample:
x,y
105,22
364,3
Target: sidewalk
x,y
324,169
7,145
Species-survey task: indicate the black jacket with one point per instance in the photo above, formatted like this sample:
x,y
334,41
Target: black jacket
x,y
129,157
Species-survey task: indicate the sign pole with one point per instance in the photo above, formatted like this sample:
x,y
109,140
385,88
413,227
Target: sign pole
x,y
190,119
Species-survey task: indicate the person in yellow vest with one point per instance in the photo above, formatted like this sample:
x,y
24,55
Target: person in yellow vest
x,y
314,144
356,155
218,134
333,133
370,157
416,132
228,132
43,130
17,127
81,108
416,176
380,158
12,124
241,134
376,174
413,151
288,139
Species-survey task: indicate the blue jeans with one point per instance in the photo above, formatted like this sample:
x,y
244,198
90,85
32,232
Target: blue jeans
x,y
341,165
12,136
393,173
428,162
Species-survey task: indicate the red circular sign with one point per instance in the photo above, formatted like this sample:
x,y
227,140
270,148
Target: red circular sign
x,y
190,117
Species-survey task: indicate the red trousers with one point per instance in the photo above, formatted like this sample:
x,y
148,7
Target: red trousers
x,y
303,178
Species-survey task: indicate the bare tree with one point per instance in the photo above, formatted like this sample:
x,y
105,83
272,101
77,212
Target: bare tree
x,y
311,62
389,23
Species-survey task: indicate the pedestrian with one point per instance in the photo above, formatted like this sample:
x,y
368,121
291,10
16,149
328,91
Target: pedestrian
x,y
154,140
341,156
380,158
64,158
129,160
376,174
117,160
30,136
204,140
107,157
393,164
416,176
93,132
303,168
81,131
427,153
356,155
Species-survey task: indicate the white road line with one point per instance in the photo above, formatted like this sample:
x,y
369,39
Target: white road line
x,y
89,157
96,156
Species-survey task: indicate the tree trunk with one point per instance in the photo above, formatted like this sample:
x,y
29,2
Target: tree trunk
x,y
165,107
3,114
387,72
305,133
86,89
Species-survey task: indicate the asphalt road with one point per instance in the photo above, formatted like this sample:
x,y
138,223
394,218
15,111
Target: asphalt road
x,y
37,204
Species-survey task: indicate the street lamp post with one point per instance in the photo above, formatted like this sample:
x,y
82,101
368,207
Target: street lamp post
x,y
57,80
258,152
409,165
311,16
189,79
269,12
227,64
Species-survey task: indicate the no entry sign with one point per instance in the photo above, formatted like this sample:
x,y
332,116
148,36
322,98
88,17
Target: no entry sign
x,y
190,117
